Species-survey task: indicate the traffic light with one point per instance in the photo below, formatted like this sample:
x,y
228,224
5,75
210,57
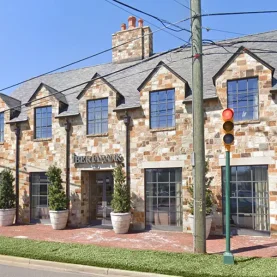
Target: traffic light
x,y
228,127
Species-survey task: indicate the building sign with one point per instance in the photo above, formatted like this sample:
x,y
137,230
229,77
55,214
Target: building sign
x,y
97,159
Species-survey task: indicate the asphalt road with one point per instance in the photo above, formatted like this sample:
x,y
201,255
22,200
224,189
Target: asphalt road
x,y
15,271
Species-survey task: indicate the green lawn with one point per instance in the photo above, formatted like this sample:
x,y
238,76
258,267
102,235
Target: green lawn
x,y
147,261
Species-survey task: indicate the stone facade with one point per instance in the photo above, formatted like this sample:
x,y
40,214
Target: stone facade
x,y
255,141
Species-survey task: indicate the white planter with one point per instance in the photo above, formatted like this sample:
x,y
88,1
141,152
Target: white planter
x,y
209,219
7,217
121,222
58,219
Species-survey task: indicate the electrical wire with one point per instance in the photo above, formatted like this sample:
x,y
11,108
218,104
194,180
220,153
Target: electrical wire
x,y
144,20
118,71
153,16
96,78
86,58
237,13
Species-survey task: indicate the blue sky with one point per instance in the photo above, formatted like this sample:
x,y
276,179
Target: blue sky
x,y
37,36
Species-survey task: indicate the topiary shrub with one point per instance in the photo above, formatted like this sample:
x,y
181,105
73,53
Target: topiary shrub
x,y
57,199
121,202
7,194
209,193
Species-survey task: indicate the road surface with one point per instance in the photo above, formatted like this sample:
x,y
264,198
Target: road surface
x,y
16,271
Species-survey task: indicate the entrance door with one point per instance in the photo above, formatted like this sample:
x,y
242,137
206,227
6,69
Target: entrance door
x,y
104,191
249,200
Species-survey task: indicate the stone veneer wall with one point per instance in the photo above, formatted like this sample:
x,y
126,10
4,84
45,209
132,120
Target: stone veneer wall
x,y
140,45
256,142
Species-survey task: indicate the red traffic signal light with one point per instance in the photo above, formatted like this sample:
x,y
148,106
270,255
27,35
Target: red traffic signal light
x,y
228,127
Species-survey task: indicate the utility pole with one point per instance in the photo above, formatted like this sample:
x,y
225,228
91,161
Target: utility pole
x,y
198,130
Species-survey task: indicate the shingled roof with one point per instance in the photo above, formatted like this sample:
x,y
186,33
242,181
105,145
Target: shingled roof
x,y
127,82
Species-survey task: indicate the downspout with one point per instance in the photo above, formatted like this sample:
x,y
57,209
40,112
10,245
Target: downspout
x,y
67,166
127,120
17,134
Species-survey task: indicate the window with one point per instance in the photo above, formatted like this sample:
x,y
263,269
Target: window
x,y
97,116
39,197
162,109
2,127
249,198
163,198
43,122
243,99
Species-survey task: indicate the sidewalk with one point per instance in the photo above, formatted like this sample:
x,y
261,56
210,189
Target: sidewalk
x,y
147,240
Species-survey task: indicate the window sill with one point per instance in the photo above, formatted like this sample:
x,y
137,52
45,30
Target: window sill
x,y
163,129
43,139
97,135
247,122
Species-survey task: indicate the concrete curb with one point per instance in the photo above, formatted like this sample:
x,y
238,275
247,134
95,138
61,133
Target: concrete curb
x,y
74,268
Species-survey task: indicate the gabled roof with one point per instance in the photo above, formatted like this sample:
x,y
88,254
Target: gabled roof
x,y
95,77
11,102
159,65
241,50
128,81
58,95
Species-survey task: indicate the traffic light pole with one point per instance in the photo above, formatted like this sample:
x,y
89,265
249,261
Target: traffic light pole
x,y
228,257
198,130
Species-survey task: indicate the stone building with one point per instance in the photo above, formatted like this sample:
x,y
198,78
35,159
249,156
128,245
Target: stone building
x,y
138,110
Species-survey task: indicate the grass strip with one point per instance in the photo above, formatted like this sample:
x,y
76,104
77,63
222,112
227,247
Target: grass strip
x,y
180,264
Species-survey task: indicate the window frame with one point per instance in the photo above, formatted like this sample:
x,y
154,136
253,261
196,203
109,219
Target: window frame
x,y
258,100
87,114
2,133
173,114
35,122
178,180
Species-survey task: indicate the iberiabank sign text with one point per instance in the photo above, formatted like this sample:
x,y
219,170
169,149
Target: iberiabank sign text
x,y
97,159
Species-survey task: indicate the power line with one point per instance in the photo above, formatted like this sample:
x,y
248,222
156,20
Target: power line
x,y
144,20
106,75
111,81
153,16
182,4
237,13
125,76
217,30
89,57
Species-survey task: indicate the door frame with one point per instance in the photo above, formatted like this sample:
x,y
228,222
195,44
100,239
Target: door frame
x,y
95,221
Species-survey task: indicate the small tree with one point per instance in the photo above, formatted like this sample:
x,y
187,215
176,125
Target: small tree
x,y
121,202
56,196
7,195
208,192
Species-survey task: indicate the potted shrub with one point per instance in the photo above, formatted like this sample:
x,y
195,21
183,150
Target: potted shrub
x,y
121,202
209,203
57,199
7,198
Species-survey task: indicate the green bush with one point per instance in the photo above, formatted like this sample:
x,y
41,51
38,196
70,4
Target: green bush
x,y
56,196
7,195
121,202
209,193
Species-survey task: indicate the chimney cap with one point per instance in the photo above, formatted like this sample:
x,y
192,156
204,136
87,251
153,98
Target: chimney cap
x,y
132,22
123,27
140,22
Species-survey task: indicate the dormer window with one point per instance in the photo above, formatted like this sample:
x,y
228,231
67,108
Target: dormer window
x,y
162,109
2,127
43,122
243,98
97,116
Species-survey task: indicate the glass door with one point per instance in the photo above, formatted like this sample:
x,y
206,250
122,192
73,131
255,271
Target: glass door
x,y
249,200
104,191
39,198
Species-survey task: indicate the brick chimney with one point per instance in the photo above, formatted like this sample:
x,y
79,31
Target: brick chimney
x,y
139,42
